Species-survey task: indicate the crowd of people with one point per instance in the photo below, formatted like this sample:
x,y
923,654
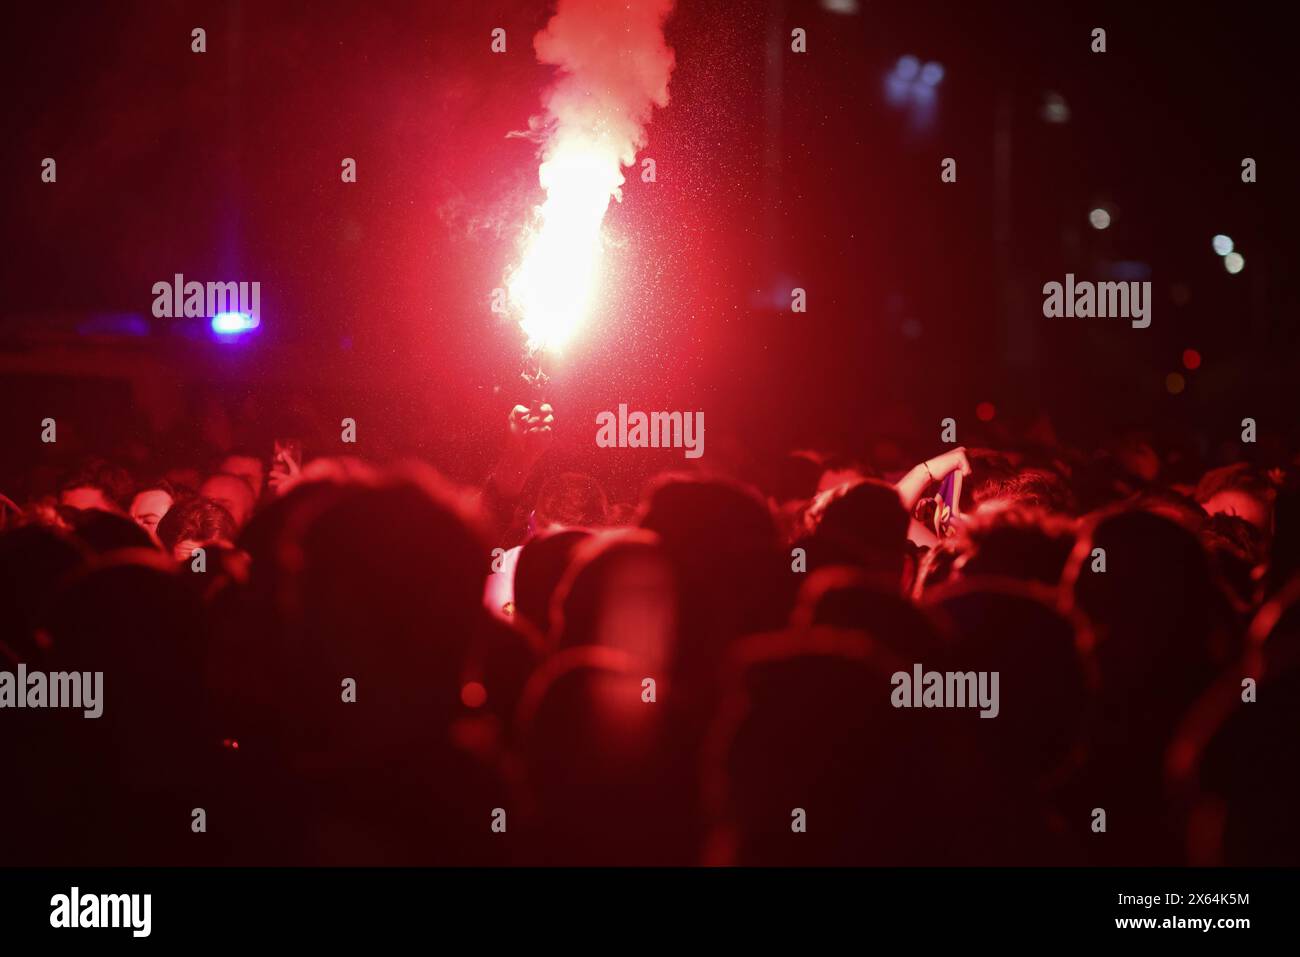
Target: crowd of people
x,y
337,662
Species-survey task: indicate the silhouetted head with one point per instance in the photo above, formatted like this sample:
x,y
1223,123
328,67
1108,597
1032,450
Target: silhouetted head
x,y
1022,543
603,782
722,540
842,596
571,499
542,563
109,531
384,588
810,762
1043,658
34,562
620,592
136,618
1156,608
195,523
863,525
795,478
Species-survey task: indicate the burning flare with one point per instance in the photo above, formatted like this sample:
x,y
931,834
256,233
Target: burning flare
x,y
556,281
614,68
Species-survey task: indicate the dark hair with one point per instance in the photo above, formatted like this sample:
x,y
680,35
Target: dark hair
x,y
989,469
542,564
1027,544
197,519
1234,532
34,560
1034,487
113,480
1241,477
863,525
571,498
105,532
160,485
1236,548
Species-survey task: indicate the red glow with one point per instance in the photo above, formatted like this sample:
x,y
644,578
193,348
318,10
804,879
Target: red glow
x,y
473,695
1191,359
985,411
230,744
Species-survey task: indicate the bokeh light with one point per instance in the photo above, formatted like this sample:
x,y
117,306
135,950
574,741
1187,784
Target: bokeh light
x,y
1175,383
1099,218
1234,263
473,695
233,323
1191,359
1222,244
1055,109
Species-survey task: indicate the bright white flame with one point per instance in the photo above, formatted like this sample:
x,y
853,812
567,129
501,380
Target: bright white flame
x,y
612,68
554,287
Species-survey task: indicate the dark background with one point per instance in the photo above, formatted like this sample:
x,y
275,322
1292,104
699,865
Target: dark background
x,y
774,170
